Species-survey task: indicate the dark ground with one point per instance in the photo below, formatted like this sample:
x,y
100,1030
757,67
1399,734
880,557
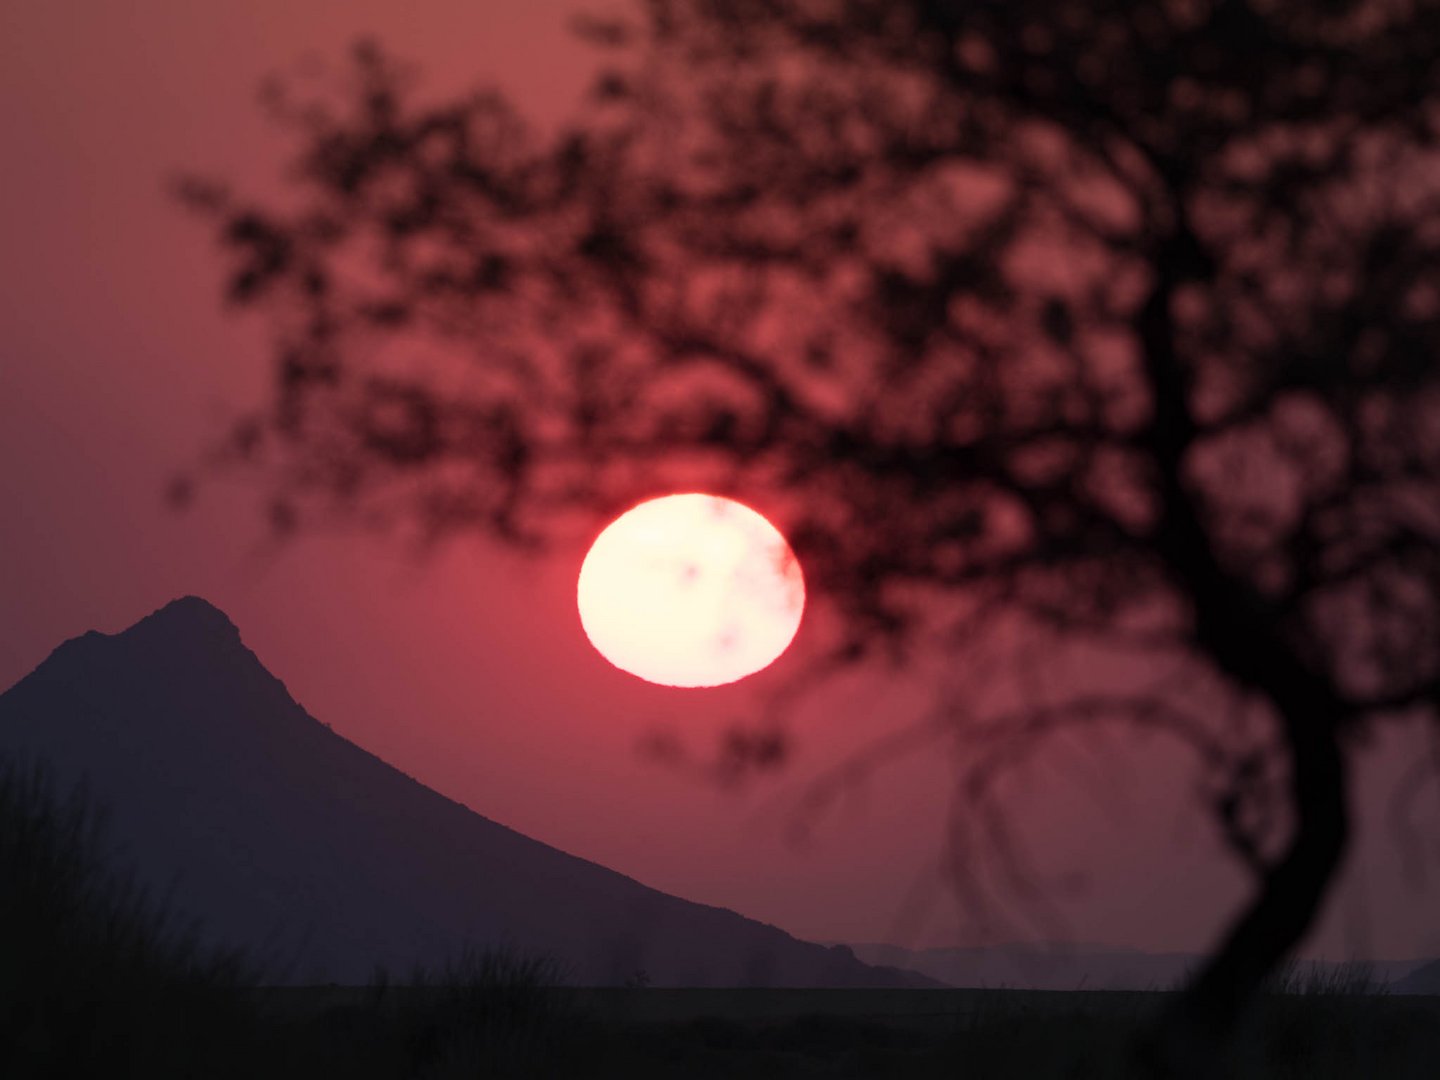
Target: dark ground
x,y
96,980
1313,1031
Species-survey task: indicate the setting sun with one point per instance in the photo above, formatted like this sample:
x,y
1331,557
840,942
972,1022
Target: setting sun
x,y
691,590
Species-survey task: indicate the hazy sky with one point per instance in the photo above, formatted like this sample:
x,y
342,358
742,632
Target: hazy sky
x,y
469,671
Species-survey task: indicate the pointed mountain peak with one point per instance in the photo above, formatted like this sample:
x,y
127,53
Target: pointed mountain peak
x,y
188,625
189,615
188,647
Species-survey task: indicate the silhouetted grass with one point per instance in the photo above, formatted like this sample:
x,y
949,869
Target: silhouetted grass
x,y
486,1013
96,980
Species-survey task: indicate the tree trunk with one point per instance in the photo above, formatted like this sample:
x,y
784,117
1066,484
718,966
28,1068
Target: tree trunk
x,y
1234,628
1197,1029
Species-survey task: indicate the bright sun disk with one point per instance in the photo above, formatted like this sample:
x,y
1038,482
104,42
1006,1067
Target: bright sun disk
x,y
691,590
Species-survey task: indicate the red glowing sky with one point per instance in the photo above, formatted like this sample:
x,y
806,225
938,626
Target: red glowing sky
x,y
469,671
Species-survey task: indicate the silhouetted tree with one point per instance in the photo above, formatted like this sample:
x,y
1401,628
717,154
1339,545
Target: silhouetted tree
x,y
1103,321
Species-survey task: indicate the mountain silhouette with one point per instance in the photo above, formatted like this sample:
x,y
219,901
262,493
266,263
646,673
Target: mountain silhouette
x,y
1423,980
238,809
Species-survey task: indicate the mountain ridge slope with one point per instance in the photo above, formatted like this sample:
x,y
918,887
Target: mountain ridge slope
x,y
323,860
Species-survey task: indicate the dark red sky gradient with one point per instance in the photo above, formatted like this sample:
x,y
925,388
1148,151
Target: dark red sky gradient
x,y
468,671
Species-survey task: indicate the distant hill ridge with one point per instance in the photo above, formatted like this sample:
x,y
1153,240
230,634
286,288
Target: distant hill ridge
x,y
1038,966
240,809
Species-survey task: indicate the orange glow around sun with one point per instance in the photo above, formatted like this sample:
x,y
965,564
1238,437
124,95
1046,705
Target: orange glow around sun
x,y
691,590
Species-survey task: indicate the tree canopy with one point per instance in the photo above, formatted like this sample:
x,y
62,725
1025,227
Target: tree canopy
x,y
1111,321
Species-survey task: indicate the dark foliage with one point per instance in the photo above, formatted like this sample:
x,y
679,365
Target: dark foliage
x,y
98,980
1100,326
95,978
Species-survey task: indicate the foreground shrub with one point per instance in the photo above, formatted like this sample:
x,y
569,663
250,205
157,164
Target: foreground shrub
x,y
95,978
